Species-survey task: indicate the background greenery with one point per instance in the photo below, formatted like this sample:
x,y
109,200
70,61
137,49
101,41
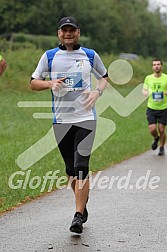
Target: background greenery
x,y
27,29
19,130
111,26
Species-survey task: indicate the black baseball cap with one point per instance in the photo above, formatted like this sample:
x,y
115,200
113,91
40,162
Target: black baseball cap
x,y
68,21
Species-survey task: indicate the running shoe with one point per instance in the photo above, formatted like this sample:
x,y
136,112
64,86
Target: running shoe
x,y
77,223
155,143
85,215
161,151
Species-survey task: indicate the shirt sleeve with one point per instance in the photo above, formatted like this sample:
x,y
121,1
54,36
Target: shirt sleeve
x,y
99,69
41,70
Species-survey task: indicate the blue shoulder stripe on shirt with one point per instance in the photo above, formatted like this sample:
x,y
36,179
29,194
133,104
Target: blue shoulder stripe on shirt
x,y
50,55
90,54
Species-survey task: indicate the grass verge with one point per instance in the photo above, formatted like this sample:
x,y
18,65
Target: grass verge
x,y
19,130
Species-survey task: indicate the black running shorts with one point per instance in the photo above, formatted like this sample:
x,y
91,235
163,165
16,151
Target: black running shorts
x,y
75,143
156,116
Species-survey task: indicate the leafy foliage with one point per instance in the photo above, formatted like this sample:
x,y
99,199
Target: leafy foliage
x,y
112,25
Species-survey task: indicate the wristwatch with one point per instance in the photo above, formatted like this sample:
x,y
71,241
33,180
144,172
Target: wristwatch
x,y
100,92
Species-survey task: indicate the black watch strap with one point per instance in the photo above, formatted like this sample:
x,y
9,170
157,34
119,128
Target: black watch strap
x,y
100,92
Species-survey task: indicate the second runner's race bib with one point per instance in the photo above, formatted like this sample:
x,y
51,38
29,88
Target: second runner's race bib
x,y
158,96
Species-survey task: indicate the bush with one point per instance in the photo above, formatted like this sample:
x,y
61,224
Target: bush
x,y
20,40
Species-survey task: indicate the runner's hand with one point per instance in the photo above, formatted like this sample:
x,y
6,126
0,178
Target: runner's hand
x,y
91,98
57,84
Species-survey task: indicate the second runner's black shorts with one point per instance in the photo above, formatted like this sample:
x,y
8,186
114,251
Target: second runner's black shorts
x,y
156,116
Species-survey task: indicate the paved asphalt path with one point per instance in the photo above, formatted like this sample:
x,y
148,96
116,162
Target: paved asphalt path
x,y
120,219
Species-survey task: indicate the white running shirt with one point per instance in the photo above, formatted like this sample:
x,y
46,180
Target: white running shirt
x,y
76,66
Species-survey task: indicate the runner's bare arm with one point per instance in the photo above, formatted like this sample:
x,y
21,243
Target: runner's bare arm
x,y
40,85
3,65
145,92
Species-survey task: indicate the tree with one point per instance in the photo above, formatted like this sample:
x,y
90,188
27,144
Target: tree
x,y
112,25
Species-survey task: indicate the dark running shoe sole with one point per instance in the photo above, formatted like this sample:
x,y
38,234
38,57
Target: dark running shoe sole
x,y
76,229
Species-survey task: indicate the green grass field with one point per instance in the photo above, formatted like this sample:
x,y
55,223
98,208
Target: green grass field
x,y
19,131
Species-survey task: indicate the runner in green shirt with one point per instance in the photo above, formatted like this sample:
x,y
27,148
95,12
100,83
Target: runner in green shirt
x,y
155,87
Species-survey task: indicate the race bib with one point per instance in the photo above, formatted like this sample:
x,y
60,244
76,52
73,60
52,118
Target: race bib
x,y
157,96
73,81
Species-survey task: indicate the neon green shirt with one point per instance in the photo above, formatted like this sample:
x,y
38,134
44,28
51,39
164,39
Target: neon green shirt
x,y
156,86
